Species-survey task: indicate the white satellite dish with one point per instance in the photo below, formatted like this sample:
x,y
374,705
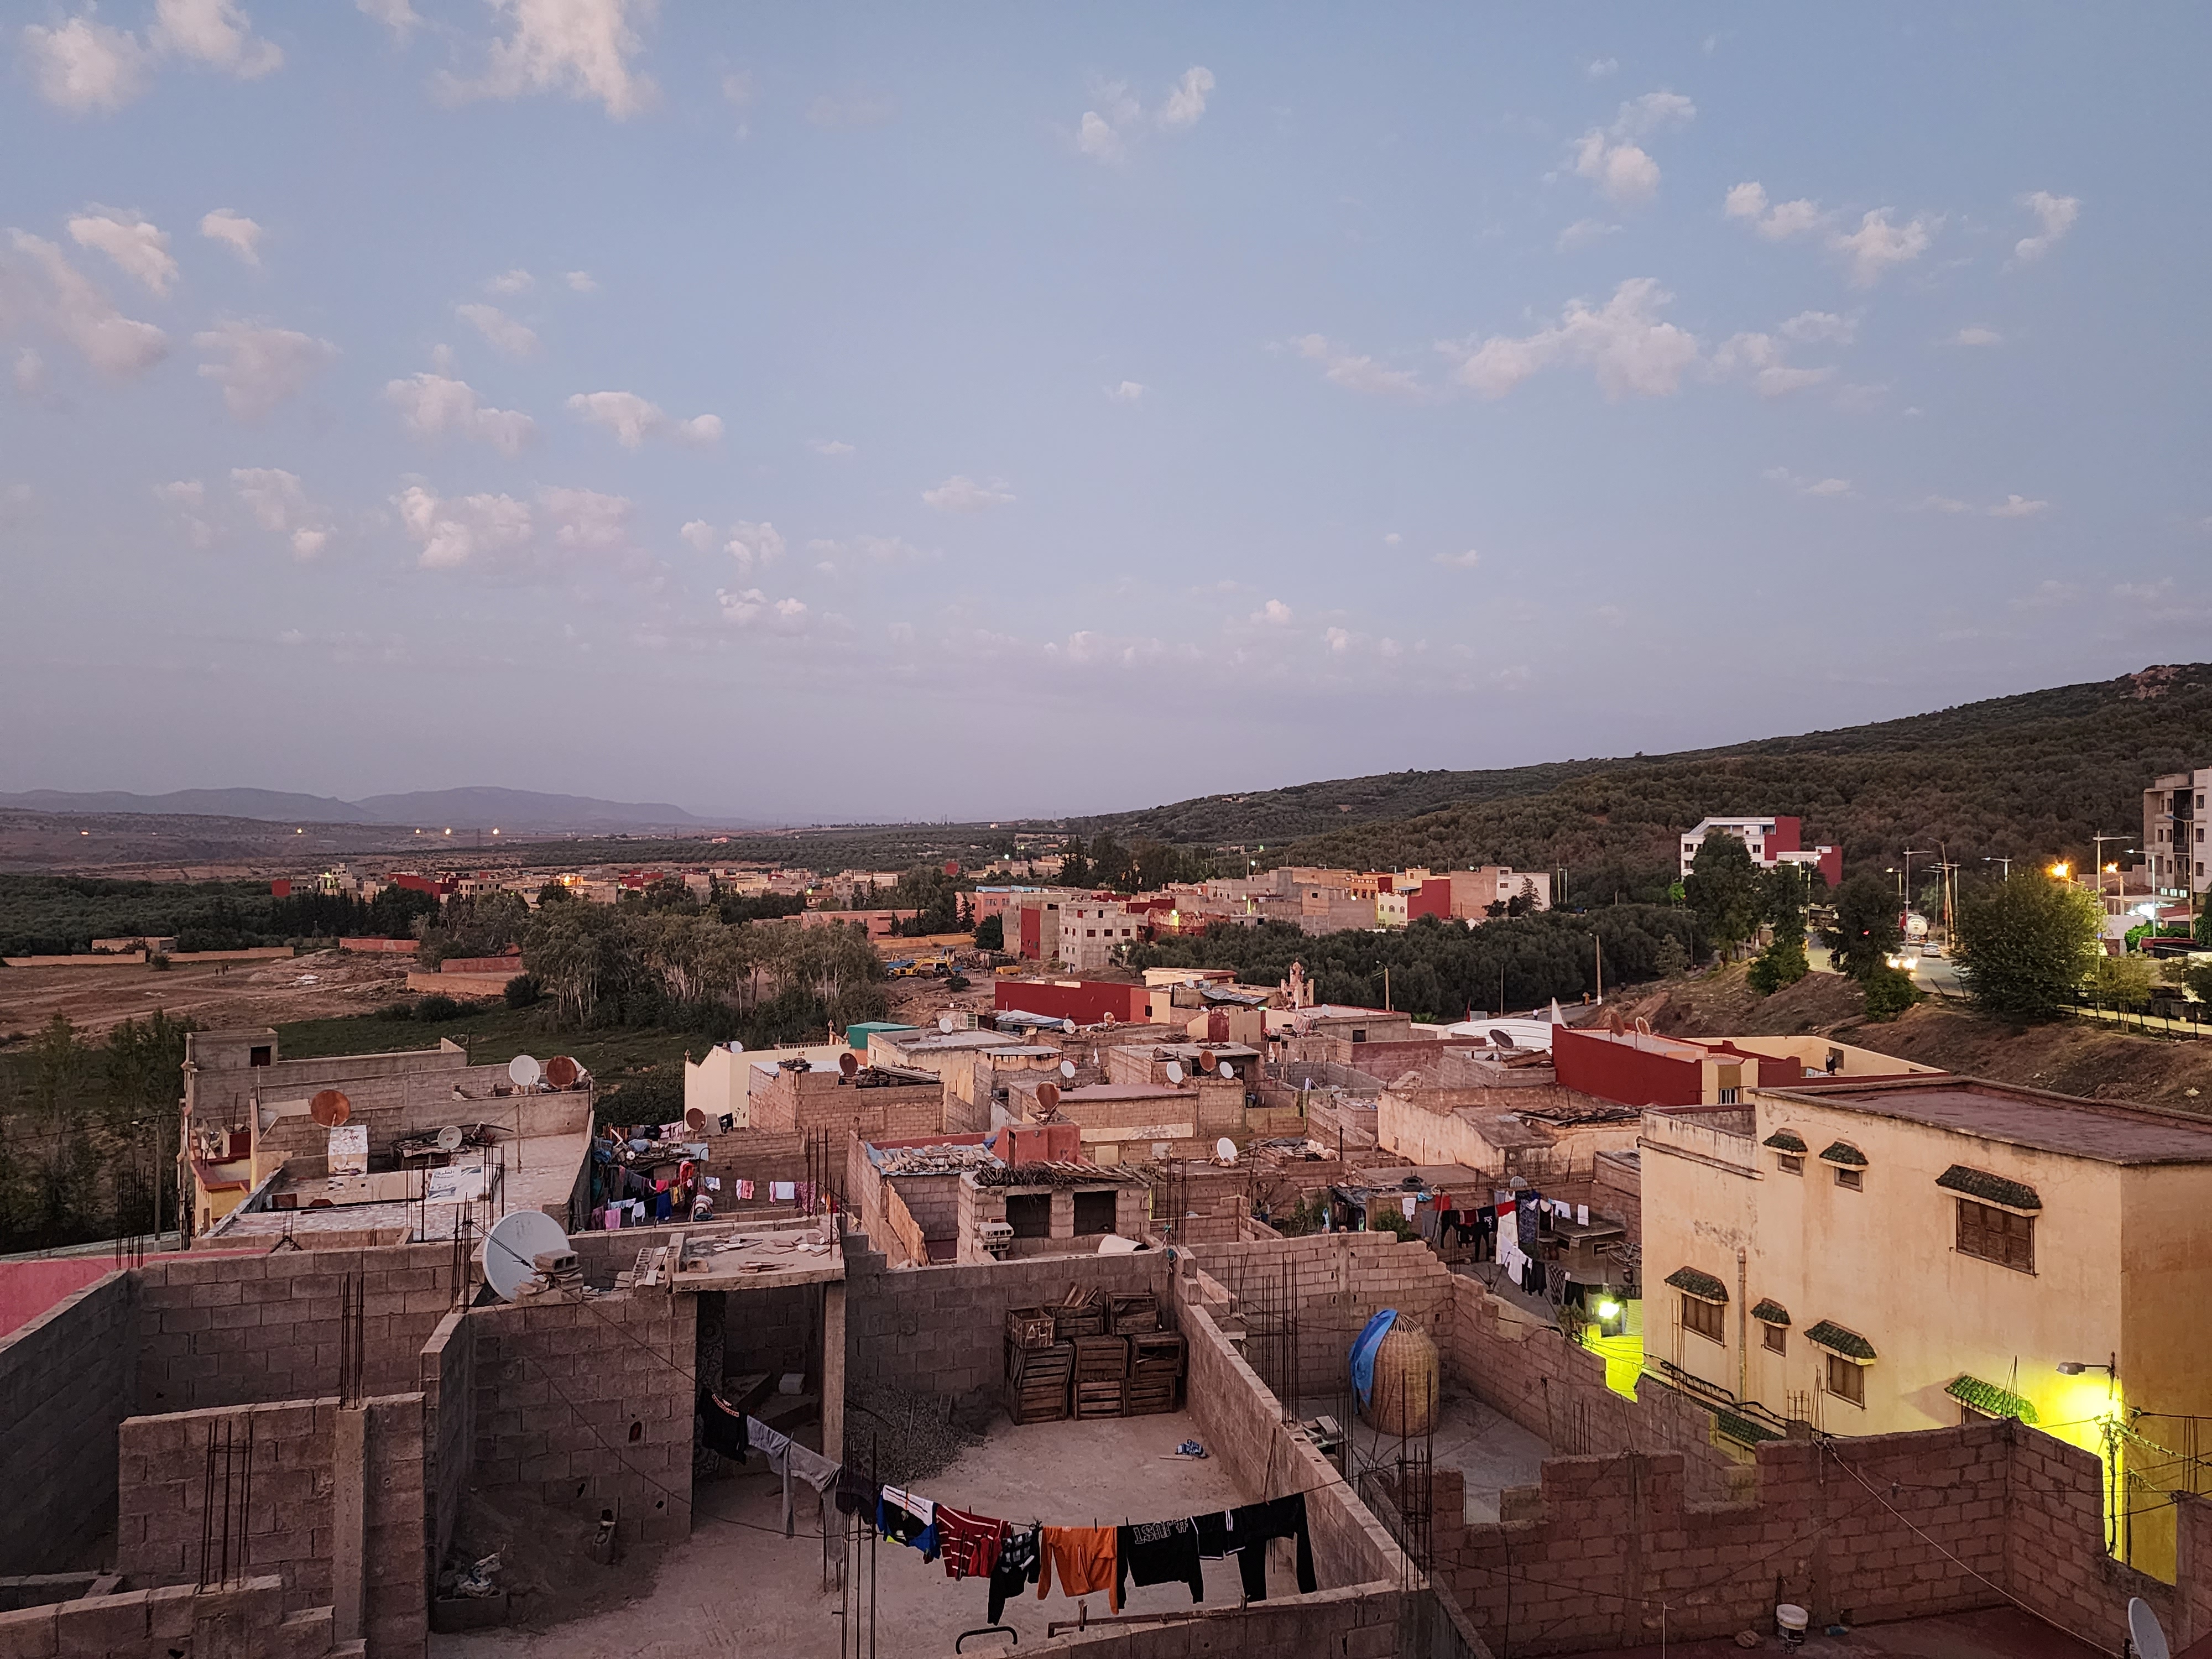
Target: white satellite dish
x,y
524,1071
1175,1071
449,1138
2144,1630
1227,1070
1068,1026
512,1248
1226,1150
1067,1068
944,1023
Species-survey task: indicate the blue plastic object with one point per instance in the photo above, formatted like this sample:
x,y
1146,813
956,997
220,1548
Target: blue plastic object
x,y
1362,1352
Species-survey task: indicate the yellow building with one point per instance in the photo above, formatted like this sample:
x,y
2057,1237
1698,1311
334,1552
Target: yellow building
x,y
1888,1255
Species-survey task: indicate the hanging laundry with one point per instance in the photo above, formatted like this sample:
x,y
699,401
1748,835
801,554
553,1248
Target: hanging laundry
x,y
1253,1524
810,1468
725,1428
783,1191
857,1494
1363,1350
1021,1555
1582,1215
1158,1553
1408,1205
906,1519
773,1448
1085,1559
969,1542
1214,1532
744,1189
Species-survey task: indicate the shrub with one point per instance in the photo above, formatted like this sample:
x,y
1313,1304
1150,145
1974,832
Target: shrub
x,y
1387,1221
1780,964
991,934
439,1006
1889,993
522,992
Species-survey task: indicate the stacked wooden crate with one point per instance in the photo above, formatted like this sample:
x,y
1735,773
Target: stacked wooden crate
x,y
1038,1368
1102,1376
1082,1314
1156,1362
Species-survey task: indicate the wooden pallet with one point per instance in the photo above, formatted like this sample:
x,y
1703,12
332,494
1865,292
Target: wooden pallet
x,y
1037,1381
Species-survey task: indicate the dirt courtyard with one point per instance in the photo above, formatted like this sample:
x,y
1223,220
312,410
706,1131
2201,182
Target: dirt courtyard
x,y
267,991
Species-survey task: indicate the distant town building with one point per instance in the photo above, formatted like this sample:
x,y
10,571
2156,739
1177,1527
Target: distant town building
x,y
2173,842
1770,842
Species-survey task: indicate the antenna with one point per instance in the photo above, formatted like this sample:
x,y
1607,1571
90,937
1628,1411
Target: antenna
x,y
512,1248
1226,1150
1227,1070
944,1023
1048,1095
1067,1070
450,1138
696,1118
848,1065
1175,1071
563,1072
330,1107
2144,1630
524,1071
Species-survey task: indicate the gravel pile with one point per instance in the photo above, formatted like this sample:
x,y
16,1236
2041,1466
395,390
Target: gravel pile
x,y
910,1434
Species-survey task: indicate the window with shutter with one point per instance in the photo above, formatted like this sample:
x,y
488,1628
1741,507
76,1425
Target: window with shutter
x,y
1997,1236
1707,1319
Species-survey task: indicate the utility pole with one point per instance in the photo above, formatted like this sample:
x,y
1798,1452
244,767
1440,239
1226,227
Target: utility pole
x,y
1597,950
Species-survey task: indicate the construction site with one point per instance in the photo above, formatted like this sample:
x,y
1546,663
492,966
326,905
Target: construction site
x,y
1299,1344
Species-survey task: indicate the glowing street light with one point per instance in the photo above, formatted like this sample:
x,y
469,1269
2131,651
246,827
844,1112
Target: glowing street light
x,y
2061,870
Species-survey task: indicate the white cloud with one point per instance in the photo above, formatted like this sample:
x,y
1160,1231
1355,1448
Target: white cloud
x,y
1976,336
1338,640
279,504
1584,232
1877,245
140,250
884,550
962,494
186,499
398,16
633,420
581,281
1392,539
452,532
1760,359
1465,561
84,66
586,521
1613,160
831,446
1946,504
259,368
182,492
235,232
507,337
1095,138
1777,223
30,373
517,281
1273,614
1358,373
1632,351
753,545
1128,392
1809,326
579,47
2017,507
850,111
2056,214
431,404
1186,100
43,286
215,32
699,536
1782,475
751,608
1599,69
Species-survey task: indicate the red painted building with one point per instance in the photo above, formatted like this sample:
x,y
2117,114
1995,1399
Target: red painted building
x,y
1632,1070
1087,1002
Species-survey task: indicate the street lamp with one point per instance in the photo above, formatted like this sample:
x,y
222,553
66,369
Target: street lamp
x,y
2076,1367
2006,872
1910,853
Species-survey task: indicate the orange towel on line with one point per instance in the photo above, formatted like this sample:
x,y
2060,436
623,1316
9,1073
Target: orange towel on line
x,y
1085,1557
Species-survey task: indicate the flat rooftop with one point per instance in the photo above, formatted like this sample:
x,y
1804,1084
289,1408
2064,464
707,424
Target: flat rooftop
x,y
2096,1129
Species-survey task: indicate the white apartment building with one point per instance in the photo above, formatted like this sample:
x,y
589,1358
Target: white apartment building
x,y
1090,932
2173,846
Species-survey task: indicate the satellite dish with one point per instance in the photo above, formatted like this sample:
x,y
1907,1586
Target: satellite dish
x,y
524,1071
2144,1630
1068,1026
1047,1095
736,1046
450,1137
1226,1150
1227,1070
696,1119
1175,1071
848,1063
1067,1069
512,1248
330,1107
561,1072
1501,1039
944,1023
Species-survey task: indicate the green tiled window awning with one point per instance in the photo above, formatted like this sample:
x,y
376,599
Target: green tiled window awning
x,y
1834,1337
1742,1429
1785,1140
1703,1286
1989,1188
1990,1400
1843,1151
1771,1311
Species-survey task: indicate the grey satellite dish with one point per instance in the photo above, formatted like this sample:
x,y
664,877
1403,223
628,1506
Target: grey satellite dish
x,y
2144,1630
449,1138
1067,1068
944,1023
512,1248
1175,1071
1227,1070
1226,1150
524,1071
1068,1026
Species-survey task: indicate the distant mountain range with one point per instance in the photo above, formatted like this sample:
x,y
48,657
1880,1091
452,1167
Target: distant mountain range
x,y
515,811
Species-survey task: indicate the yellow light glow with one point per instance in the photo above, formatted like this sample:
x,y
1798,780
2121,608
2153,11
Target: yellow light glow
x,y
2060,871
1608,1310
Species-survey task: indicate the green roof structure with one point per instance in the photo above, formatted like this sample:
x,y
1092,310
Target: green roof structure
x,y
1990,1188
1771,1311
1834,1337
1785,1140
1990,1400
1703,1286
1841,1151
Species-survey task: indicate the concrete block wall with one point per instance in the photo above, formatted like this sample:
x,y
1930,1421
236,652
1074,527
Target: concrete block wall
x,y
942,1329
241,1621
67,1380
449,1433
2054,1531
775,1331
233,1330
561,1389
1360,1622
291,1528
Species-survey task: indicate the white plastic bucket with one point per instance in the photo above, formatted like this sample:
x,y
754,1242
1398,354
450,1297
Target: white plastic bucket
x,y
1789,1616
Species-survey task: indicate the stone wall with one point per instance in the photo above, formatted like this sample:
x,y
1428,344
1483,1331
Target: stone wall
x,y
292,1526
449,1433
589,1405
67,1380
240,1621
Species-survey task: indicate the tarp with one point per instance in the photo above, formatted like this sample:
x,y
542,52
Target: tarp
x,y
1362,1352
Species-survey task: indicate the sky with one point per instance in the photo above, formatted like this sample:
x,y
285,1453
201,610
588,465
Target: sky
x,y
866,413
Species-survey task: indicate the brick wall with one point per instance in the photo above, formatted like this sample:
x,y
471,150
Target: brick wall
x,y
67,1380
1357,1623
449,1433
777,1331
157,1624
823,1100
559,1387
291,1531
234,1330
1617,1189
